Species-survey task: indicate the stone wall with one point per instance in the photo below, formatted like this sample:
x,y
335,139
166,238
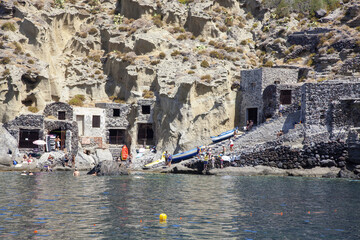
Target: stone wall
x,y
53,109
120,122
271,99
331,103
29,121
145,118
279,76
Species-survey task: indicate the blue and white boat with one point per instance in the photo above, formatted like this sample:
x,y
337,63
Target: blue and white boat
x,y
224,135
185,155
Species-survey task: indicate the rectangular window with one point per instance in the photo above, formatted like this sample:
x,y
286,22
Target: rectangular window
x,y
145,109
26,138
116,136
285,96
96,121
61,115
116,112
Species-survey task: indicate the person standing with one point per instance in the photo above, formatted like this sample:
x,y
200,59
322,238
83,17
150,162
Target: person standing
x,y
57,142
231,143
281,110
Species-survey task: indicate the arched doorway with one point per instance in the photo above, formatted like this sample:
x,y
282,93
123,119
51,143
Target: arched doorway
x,y
61,134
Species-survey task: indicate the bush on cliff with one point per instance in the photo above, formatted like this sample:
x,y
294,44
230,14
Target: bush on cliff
x,y
77,100
8,26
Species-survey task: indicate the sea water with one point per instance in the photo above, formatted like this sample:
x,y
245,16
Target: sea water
x,y
60,206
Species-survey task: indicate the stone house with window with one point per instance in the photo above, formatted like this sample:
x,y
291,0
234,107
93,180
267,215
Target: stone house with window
x,y
264,89
117,124
56,120
144,123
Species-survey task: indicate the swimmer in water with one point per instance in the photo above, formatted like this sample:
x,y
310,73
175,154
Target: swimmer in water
x,y
76,173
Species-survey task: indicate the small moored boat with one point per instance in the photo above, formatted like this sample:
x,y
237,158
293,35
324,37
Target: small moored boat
x,y
224,135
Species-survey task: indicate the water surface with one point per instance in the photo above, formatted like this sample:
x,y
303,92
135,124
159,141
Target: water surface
x,y
60,206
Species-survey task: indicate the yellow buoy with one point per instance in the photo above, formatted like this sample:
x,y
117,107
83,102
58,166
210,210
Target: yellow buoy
x,y
162,217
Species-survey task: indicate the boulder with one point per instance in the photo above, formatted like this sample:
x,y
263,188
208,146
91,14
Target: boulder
x,y
352,16
344,173
108,168
104,154
320,13
327,163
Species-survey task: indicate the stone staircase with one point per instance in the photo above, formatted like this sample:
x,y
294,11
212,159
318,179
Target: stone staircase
x,y
265,132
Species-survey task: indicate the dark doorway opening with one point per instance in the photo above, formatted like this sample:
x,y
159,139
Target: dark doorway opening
x,y
26,138
62,136
116,136
252,114
145,134
285,97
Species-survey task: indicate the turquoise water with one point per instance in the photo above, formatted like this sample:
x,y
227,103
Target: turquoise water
x,y
60,206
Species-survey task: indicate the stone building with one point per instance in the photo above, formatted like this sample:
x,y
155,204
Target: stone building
x,y
334,104
116,123
144,122
91,126
56,120
26,129
264,89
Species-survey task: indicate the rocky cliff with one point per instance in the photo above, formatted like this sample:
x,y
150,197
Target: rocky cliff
x,y
187,53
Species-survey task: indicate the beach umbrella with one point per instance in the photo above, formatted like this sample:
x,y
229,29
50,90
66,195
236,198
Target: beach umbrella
x,y
39,142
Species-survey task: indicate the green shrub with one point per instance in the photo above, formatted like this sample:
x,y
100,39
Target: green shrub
x,y
162,55
97,72
33,109
249,16
157,20
243,42
185,1
215,54
83,34
155,62
206,77
330,51
193,67
229,21
5,60
77,100
204,64
181,37
269,64
93,31
8,26
185,59
6,72
148,94
95,58
30,61
59,3
190,72
175,53
178,30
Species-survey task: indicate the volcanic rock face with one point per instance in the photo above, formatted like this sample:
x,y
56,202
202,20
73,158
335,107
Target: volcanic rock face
x,y
188,53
